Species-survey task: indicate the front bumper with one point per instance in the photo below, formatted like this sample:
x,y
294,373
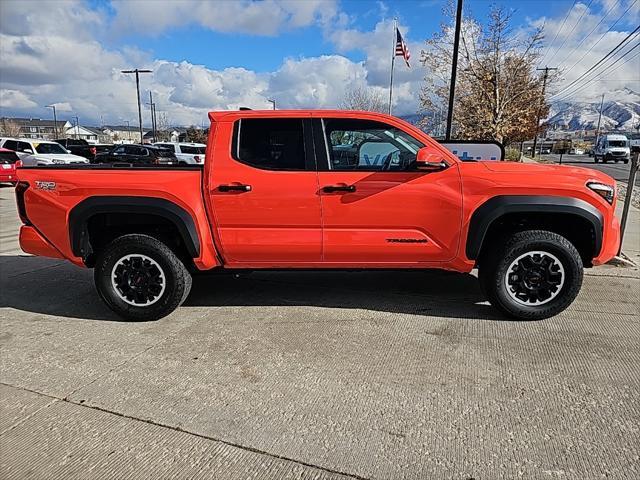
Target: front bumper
x,y
610,242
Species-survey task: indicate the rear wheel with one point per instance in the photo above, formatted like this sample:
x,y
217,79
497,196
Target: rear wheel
x,y
140,278
535,275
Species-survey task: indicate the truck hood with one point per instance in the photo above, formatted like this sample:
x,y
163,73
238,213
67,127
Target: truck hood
x,y
577,173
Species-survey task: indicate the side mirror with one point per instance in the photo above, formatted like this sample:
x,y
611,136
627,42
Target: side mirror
x,y
427,161
68,151
27,150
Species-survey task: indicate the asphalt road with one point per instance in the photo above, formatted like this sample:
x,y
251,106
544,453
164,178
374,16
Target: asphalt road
x,y
313,376
619,171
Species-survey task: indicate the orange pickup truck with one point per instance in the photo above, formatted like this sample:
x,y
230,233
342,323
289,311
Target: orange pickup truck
x,y
322,190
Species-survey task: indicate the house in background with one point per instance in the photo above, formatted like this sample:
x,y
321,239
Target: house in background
x,y
123,133
33,128
90,134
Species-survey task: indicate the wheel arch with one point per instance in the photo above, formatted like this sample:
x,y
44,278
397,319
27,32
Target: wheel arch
x,y
556,211
130,206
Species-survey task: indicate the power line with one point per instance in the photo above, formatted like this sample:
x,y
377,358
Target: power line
x,y
611,52
592,30
604,34
596,78
558,31
572,30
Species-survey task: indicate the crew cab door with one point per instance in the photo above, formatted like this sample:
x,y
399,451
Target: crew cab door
x,y
263,190
377,207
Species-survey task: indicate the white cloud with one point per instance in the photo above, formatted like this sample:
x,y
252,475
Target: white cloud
x,y
15,99
583,41
267,17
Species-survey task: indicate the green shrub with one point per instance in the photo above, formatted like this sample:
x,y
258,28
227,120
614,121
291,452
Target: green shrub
x,y
512,154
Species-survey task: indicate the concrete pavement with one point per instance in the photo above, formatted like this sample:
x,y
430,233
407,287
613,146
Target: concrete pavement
x,y
378,375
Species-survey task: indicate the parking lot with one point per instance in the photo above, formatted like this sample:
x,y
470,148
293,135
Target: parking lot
x,y
312,376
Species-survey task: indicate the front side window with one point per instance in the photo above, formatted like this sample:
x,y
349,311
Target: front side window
x,y
50,148
271,143
368,145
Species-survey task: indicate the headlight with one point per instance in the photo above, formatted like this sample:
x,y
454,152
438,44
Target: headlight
x,y
605,191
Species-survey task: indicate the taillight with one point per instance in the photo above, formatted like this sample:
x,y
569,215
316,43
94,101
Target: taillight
x,y
196,158
19,164
93,150
22,187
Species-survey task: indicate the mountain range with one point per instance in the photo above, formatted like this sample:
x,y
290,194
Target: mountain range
x,y
620,112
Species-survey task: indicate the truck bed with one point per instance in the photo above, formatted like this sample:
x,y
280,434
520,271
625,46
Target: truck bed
x,y
53,192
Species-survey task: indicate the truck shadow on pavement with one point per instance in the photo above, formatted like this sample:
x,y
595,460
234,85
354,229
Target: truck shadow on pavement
x,y
53,287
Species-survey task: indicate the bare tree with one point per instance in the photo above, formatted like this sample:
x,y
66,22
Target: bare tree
x,y
9,128
498,91
163,127
363,98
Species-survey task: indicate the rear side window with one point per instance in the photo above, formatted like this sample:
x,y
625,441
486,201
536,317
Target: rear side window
x,y
8,158
11,145
270,143
192,150
168,146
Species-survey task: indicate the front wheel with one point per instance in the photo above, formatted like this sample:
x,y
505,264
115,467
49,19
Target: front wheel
x,y
535,275
140,278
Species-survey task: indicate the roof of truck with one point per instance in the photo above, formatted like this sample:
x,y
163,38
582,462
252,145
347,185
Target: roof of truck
x,y
219,114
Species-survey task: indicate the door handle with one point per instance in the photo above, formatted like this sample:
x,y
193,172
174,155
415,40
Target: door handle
x,y
339,188
234,187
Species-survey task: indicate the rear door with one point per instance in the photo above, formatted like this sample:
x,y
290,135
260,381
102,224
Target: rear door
x,y
377,209
264,192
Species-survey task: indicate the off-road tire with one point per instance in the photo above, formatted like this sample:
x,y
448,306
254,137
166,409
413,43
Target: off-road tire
x,y
494,266
177,279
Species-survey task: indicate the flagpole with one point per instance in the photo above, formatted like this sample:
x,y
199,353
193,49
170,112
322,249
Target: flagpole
x,y
393,60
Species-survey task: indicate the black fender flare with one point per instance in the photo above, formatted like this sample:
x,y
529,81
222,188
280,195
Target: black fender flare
x,y
496,207
83,211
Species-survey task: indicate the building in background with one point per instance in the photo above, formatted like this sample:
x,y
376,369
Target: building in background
x,y
33,128
90,134
123,133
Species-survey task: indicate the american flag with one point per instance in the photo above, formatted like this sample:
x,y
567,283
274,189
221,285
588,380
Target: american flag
x,y
401,48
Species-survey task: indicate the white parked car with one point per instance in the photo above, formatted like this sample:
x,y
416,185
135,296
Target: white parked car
x,y
35,152
189,153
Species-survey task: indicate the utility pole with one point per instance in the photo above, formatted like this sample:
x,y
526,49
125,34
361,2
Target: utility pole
x,y
152,107
138,71
454,70
544,86
55,120
599,118
77,125
128,129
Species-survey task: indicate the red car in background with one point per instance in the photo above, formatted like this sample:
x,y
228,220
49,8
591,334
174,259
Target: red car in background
x,y
9,160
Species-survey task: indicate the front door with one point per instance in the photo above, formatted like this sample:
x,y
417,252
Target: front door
x,y
377,208
264,193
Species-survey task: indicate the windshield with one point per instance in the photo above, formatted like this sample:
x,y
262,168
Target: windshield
x,y
617,143
50,148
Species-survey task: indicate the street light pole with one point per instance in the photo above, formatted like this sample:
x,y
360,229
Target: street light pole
x,y
138,71
55,119
273,102
128,129
599,118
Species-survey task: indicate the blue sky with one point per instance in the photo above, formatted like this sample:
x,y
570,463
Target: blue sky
x,y
218,55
